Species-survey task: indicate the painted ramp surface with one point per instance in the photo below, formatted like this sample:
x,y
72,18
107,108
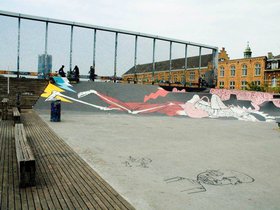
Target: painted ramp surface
x,y
147,99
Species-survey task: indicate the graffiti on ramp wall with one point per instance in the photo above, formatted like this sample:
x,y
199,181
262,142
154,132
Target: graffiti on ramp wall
x,y
218,104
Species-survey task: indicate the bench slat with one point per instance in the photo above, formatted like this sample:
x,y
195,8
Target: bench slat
x,y
16,115
25,157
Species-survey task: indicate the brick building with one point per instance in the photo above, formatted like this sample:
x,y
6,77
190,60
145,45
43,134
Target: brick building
x,y
178,74
237,73
272,73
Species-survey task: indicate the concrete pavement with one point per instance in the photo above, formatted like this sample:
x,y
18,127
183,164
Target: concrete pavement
x,y
154,161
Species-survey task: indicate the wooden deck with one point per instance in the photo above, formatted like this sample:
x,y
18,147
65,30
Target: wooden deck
x,y
63,179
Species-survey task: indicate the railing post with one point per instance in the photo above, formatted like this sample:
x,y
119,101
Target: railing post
x,y
46,49
199,64
18,48
186,64
135,60
71,48
94,48
116,57
170,62
154,65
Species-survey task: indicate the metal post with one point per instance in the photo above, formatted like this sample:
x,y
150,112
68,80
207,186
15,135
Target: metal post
x,y
186,64
154,65
116,56
8,88
199,65
170,62
18,48
94,48
135,60
71,48
46,49
215,65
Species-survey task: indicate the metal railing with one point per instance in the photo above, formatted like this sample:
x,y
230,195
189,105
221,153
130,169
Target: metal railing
x,y
115,48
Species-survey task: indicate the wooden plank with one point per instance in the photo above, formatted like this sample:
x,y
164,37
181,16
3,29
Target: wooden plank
x,y
2,159
11,201
73,179
107,196
17,198
61,146
45,155
5,198
63,179
53,180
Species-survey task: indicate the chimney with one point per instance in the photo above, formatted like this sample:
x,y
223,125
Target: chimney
x,y
269,55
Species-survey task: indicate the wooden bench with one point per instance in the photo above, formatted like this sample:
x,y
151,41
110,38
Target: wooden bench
x,y
5,108
16,115
25,158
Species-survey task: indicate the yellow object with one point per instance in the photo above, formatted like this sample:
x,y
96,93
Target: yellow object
x,y
50,88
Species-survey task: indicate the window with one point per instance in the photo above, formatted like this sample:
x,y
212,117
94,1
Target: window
x,y
243,85
183,79
274,82
222,84
257,69
232,85
274,65
244,70
232,71
257,83
222,72
192,75
174,78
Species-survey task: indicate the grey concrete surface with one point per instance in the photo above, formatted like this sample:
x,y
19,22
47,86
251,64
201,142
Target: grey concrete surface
x,y
137,154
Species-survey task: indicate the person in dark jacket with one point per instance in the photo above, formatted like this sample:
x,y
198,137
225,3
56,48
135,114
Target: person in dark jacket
x,y
92,73
76,73
61,71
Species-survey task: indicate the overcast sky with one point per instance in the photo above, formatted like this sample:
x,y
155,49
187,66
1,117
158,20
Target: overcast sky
x,y
226,23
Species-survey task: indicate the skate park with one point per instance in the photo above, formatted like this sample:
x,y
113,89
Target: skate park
x,y
154,158
138,146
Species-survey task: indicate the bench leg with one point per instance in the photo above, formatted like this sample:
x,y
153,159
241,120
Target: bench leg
x,y
27,173
17,119
4,114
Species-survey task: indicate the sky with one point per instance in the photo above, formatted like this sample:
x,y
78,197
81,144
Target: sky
x,y
227,23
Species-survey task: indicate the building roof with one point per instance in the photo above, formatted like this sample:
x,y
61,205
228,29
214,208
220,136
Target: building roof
x,y
192,62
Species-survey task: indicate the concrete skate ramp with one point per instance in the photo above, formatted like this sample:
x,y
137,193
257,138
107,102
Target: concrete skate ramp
x,y
149,99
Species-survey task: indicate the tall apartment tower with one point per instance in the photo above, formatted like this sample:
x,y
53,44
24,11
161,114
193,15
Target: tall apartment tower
x,y
44,66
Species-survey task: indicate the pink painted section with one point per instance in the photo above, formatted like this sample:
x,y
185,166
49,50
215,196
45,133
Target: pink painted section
x,y
276,102
178,91
160,92
256,98
193,112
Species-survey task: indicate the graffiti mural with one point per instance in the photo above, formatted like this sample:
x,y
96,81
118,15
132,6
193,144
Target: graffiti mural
x,y
241,105
209,177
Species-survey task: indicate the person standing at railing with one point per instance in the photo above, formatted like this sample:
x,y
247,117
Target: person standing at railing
x,y
61,71
76,73
92,73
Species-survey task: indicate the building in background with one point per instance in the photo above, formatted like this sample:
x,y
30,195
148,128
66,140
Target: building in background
x,y
44,66
178,74
240,73
272,73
